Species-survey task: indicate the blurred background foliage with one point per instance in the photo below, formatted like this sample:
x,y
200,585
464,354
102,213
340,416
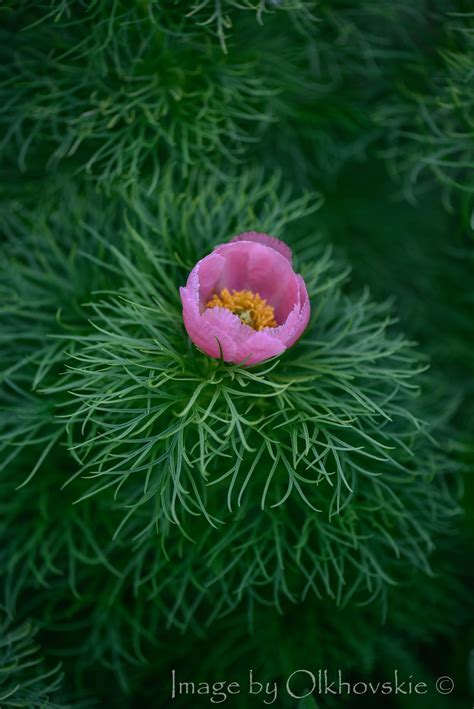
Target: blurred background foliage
x,y
134,137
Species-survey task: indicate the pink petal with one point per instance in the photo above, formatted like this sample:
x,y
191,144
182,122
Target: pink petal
x,y
299,318
210,339
249,345
261,269
205,276
267,240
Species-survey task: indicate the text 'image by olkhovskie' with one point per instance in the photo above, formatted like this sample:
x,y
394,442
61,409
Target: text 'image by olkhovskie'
x,y
236,354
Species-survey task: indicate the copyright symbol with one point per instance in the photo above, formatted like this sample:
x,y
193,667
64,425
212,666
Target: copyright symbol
x,y
444,685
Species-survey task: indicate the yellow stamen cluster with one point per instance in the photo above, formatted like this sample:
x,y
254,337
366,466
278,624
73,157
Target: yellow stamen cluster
x,y
250,307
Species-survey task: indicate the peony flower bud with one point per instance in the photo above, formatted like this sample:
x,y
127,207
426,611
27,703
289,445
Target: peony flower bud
x,y
244,301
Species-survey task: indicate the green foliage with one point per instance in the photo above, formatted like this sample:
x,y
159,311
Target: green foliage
x,y
219,486
24,680
159,508
298,434
419,254
122,93
216,17
128,88
430,121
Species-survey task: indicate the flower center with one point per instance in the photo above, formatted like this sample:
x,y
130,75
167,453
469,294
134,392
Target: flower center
x,y
250,307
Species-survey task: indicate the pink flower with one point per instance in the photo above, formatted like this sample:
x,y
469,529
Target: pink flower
x,y
245,301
